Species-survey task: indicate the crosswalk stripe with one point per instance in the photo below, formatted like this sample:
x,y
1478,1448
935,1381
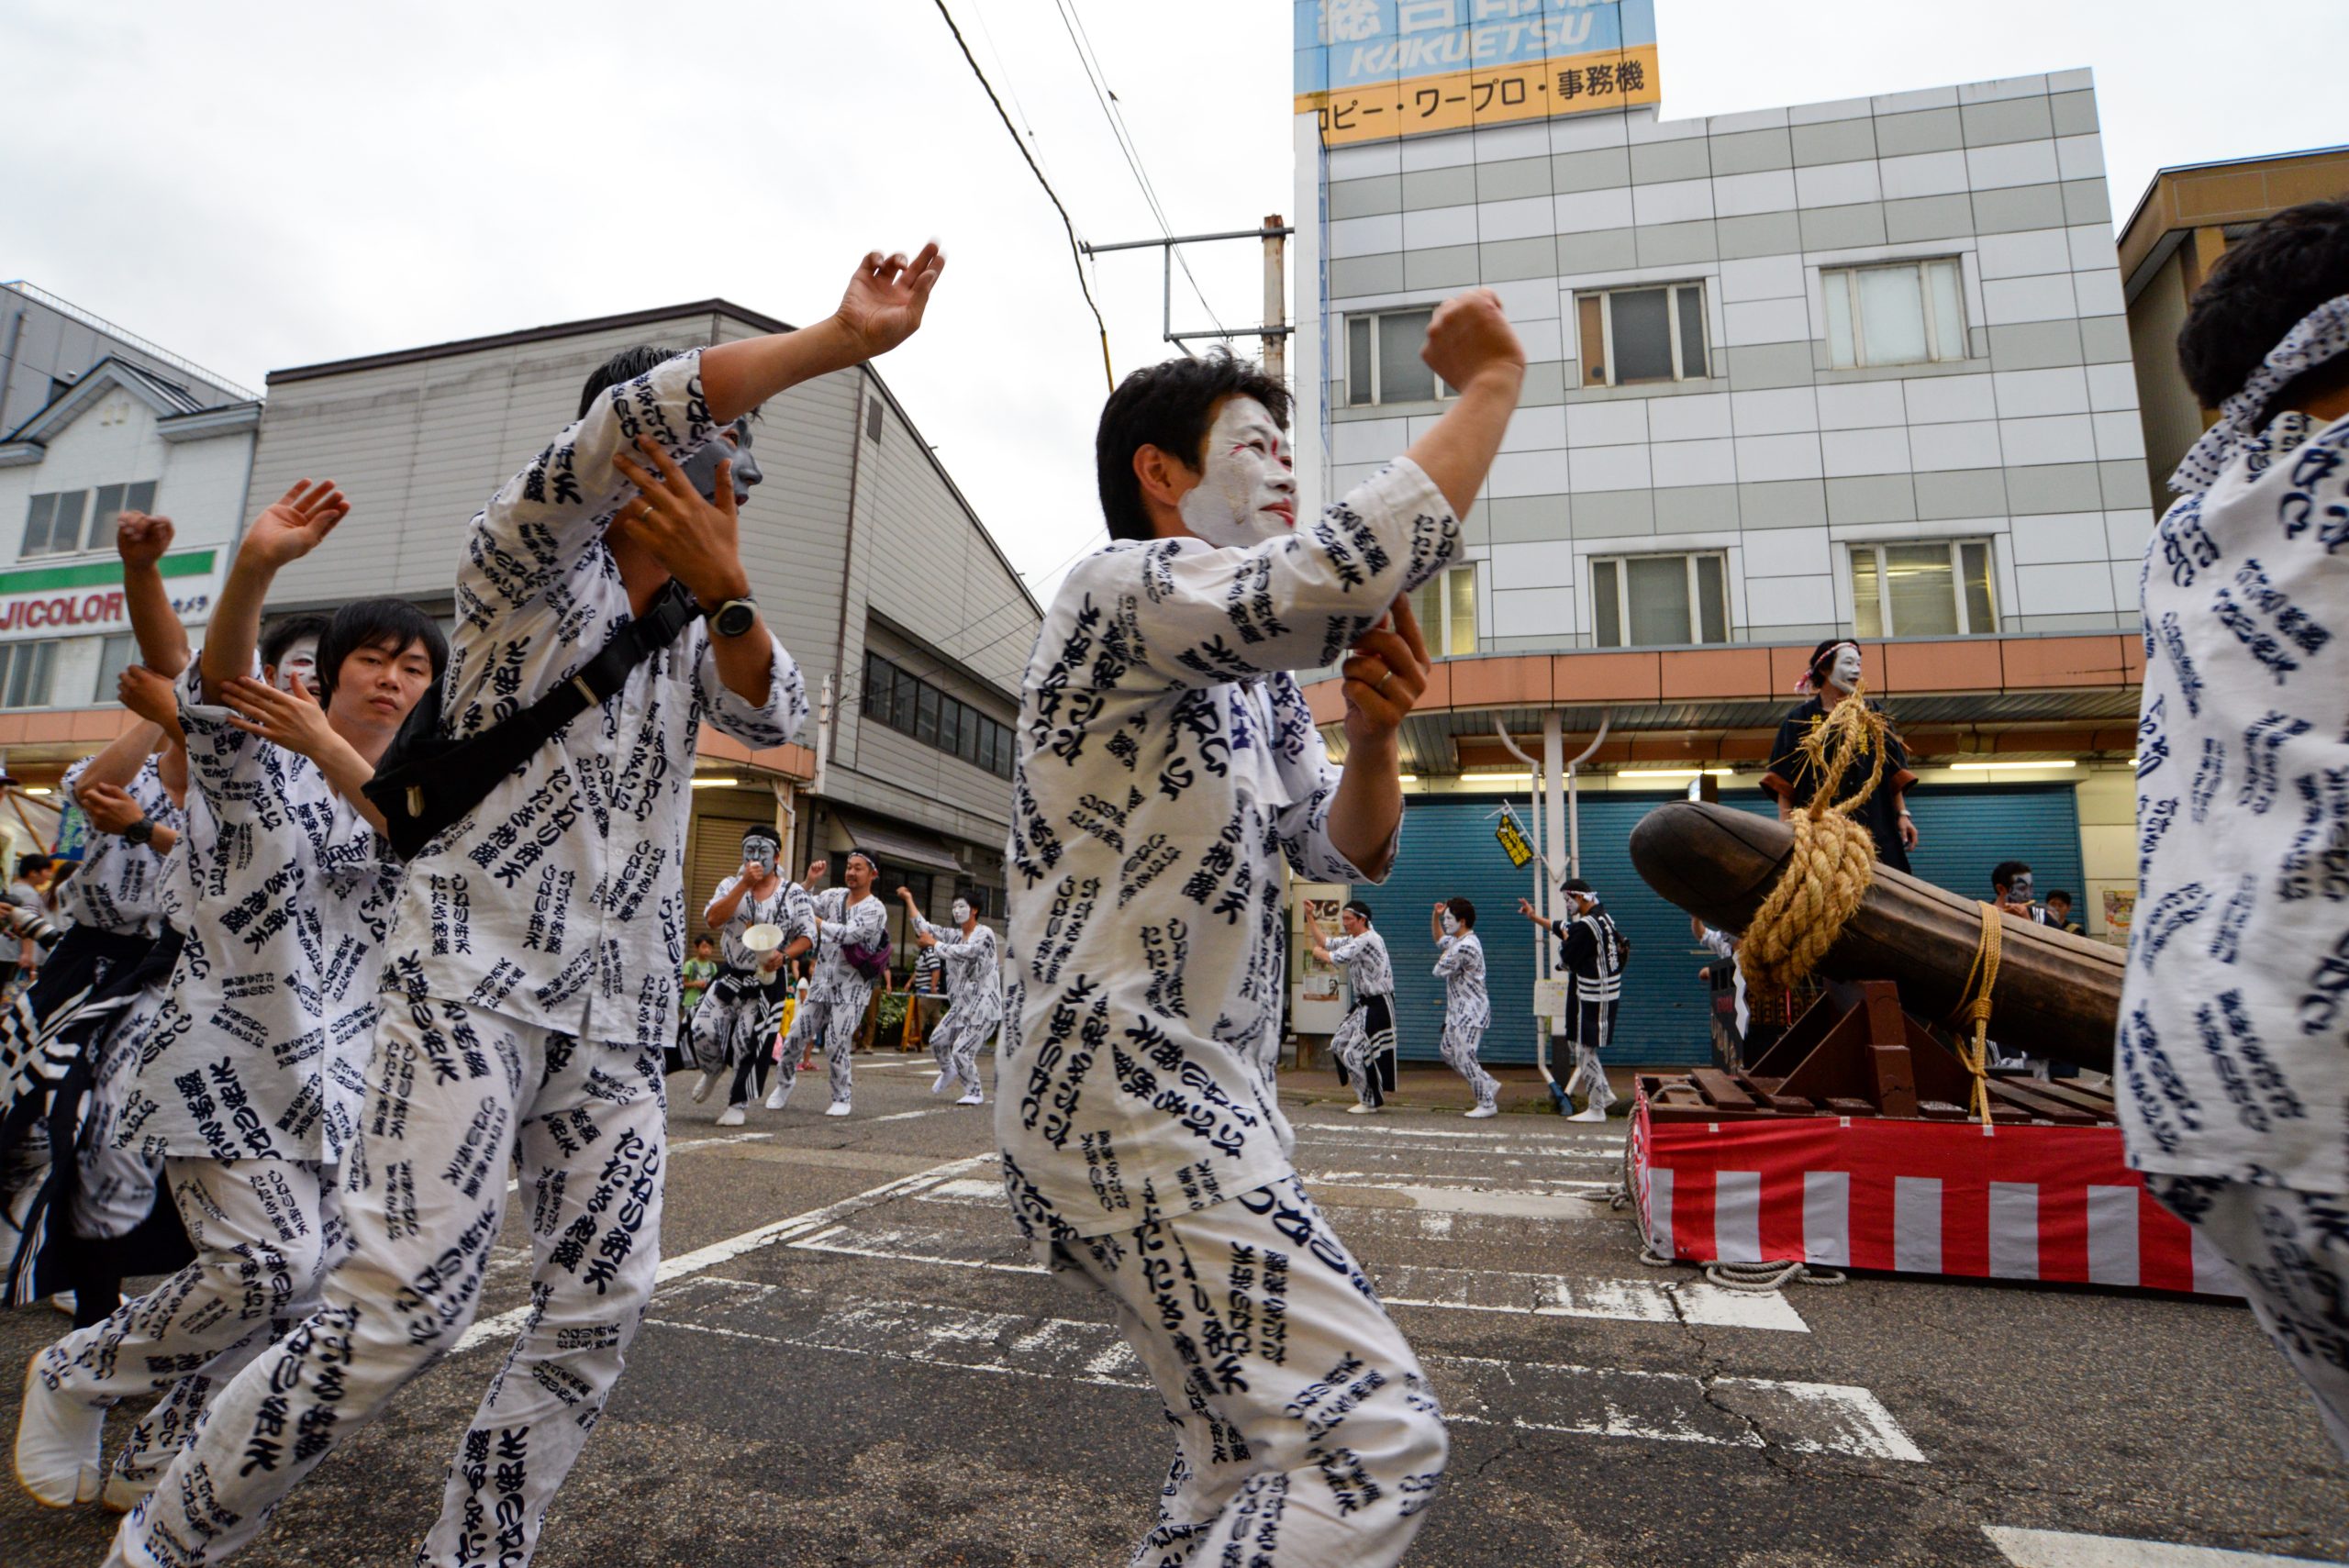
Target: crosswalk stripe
x,y
2061,1548
1603,1402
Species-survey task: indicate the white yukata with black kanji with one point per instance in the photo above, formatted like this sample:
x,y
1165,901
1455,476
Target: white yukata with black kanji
x,y
838,995
2233,1076
1467,1012
742,1013
1167,767
973,1000
1368,1027
528,988
245,1081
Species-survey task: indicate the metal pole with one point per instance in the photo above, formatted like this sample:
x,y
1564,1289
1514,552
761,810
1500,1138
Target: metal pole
x,y
1275,298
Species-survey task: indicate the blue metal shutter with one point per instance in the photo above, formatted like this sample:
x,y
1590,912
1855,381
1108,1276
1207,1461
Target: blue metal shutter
x,y
1448,848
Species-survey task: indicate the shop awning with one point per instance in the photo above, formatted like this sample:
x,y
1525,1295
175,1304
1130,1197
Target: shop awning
x,y
898,844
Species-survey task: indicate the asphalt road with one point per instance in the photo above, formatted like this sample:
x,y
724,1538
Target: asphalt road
x,y
853,1361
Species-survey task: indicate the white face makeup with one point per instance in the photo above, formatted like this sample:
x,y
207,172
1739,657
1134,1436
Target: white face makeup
x,y
1246,493
961,911
759,852
300,663
1845,675
1450,924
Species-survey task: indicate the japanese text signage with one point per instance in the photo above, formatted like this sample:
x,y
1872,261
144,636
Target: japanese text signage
x,y
1512,840
1377,68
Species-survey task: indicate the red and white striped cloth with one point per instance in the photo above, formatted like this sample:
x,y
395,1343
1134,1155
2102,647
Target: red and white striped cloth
x,y
2044,1203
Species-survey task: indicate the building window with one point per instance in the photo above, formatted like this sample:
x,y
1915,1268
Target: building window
x,y
1936,589
1383,364
116,654
24,672
1909,314
54,524
913,707
1660,601
1631,336
1446,607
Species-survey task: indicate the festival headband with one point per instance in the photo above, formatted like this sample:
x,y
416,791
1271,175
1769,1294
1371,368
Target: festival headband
x,y
2321,336
1809,682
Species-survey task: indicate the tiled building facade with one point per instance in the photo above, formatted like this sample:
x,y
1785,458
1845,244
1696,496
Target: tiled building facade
x,y
1842,335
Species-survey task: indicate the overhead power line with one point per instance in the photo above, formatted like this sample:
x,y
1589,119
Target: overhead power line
x,y
1074,255
1094,75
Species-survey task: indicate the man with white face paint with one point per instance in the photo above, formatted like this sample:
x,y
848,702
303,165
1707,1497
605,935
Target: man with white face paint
x,y
1367,1031
1467,1009
743,1010
974,994
1167,766
1591,955
1833,676
851,932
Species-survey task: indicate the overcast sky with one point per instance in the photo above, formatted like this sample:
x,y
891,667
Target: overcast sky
x,y
264,186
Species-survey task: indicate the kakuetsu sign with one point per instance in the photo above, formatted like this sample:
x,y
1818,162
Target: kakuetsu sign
x,y
86,598
1379,69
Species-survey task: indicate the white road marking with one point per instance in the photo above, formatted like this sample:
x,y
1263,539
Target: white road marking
x,y
1448,1181
909,1116
1004,1252
1515,1155
976,1190
1556,1295
1561,1141
1750,1413
2061,1548
506,1324
1590,1204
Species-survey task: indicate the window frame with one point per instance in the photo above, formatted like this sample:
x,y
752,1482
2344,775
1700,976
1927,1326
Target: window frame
x,y
1689,558
1439,637
1848,274
1443,393
1671,312
41,651
88,501
895,697
1956,547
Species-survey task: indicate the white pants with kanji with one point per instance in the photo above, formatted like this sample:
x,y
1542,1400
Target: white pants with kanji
x,y
2291,1250
1306,1432
1462,1033
265,1233
832,1020
454,1095
954,1041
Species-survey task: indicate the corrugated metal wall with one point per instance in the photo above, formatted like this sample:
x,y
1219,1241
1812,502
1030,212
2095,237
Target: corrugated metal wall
x,y
1448,848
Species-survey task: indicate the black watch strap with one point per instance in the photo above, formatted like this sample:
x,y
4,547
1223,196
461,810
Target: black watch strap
x,y
141,832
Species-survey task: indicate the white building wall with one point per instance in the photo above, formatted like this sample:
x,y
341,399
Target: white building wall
x,y
2033,440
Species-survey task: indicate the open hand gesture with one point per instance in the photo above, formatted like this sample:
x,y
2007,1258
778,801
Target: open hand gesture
x,y
140,540
886,296
697,539
296,524
293,720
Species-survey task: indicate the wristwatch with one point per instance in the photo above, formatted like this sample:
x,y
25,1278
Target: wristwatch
x,y
734,617
141,832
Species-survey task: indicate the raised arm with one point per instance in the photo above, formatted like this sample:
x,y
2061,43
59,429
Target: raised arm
x,y
882,307
297,523
142,541
120,762
1470,345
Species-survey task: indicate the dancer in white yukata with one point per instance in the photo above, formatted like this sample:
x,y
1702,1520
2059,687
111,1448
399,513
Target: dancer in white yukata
x,y
852,955
2232,1076
741,1012
1592,954
1166,766
531,978
1367,1031
974,994
247,1079
1467,1010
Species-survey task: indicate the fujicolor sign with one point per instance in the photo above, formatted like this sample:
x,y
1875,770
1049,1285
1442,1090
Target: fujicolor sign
x,y
1376,70
69,601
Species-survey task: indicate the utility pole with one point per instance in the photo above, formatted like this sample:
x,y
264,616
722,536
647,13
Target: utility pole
x,y
1275,297
1275,329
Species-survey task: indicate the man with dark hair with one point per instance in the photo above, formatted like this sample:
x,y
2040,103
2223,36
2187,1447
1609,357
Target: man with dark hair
x,y
2233,1071
1467,1007
246,1083
2011,890
530,979
1367,1031
1592,954
1793,779
851,929
289,649
737,1020
2059,913
1167,764
966,950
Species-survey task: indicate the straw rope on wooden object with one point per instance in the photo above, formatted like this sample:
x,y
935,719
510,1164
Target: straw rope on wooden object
x,y
1834,860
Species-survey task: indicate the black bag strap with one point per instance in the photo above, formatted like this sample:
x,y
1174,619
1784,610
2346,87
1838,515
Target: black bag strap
x,y
592,684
